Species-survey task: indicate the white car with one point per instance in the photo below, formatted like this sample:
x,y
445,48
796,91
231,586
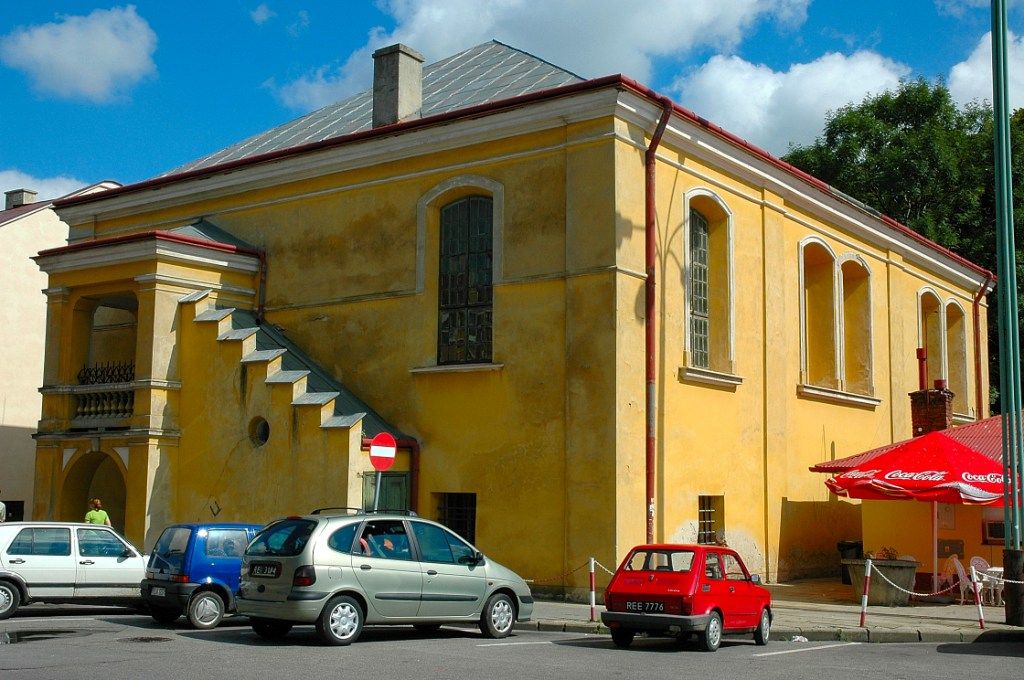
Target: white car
x,y
67,562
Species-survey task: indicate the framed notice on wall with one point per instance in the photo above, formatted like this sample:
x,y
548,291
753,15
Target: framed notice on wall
x,y
947,516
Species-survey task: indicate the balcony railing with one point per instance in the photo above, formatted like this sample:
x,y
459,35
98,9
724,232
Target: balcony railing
x,y
105,395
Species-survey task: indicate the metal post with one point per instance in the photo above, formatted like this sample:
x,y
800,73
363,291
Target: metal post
x,y
977,598
864,595
593,593
376,492
1009,343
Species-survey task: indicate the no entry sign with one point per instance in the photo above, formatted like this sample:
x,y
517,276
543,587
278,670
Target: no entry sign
x,y
382,451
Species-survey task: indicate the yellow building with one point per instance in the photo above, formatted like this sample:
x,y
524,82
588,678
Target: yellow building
x,y
458,258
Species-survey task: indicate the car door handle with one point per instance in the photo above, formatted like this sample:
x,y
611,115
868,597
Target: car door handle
x,y
732,589
86,562
365,567
17,561
431,572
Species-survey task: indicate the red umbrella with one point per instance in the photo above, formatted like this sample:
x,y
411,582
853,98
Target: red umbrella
x,y
932,467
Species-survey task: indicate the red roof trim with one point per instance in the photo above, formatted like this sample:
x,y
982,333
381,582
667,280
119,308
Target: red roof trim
x,y
145,236
502,105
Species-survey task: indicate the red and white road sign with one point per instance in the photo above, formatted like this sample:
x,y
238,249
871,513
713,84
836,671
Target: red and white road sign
x,y
382,451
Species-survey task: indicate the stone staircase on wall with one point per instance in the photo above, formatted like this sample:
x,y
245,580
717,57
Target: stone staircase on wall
x,y
312,388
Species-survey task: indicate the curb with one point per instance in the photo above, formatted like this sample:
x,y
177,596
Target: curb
x,y
812,633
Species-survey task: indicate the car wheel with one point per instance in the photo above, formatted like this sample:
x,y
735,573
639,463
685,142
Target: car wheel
x,y
427,627
10,598
498,617
764,628
205,610
711,638
622,637
164,614
341,621
269,629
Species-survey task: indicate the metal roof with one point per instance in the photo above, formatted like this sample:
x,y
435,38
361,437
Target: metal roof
x,y
984,436
485,73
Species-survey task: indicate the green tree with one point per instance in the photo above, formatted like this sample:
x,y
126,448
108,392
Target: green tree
x,y
916,156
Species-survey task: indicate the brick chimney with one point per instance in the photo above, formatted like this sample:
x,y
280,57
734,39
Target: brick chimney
x,y
397,84
19,197
931,410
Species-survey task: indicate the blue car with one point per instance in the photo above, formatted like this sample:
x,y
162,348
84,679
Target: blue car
x,y
194,569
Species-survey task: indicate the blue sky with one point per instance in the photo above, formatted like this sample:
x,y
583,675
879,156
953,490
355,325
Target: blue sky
x,y
128,91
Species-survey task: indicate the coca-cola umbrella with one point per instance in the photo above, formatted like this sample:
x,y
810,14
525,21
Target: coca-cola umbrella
x,y
932,467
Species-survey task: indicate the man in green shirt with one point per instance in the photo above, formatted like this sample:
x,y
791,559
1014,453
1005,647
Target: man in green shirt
x,y
97,515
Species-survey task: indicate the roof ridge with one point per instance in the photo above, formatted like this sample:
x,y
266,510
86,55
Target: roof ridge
x,y
534,56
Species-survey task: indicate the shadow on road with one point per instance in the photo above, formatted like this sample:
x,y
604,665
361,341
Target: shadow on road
x,y
305,636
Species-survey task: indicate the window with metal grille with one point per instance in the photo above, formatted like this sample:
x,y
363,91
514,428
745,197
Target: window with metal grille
x,y
710,519
464,305
457,511
699,327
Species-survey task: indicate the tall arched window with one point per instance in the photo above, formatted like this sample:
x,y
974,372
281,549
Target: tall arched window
x,y
856,322
932,332
819,311
709,286
464,290
956,357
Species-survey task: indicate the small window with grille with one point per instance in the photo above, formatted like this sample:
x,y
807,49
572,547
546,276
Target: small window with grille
x,y
457,511
464,305
699,290
711,520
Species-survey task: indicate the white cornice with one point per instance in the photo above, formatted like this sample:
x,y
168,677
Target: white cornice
x,y
369,152
140,251
702,144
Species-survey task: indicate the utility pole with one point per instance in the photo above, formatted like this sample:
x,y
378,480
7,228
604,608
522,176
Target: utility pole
x,y
1009,342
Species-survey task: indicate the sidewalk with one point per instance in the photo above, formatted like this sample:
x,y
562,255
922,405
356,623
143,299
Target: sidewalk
x,y
822,609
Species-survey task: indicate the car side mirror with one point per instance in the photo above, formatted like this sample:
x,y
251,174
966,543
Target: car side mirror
x,y
127,553
473,560
754,578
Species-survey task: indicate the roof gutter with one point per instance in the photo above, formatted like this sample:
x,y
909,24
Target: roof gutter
x,y
976,314
650,325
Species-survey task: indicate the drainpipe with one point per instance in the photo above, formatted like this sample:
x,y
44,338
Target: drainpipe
x,y
976,310
650,257
414,466
922,368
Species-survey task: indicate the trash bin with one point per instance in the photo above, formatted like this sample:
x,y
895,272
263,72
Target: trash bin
x,y
849,550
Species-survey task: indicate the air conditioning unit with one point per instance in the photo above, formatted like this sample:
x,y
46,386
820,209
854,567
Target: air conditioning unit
x,y
993,532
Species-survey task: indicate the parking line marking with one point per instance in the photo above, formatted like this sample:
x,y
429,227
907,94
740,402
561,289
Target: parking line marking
x,y
808,649
509,644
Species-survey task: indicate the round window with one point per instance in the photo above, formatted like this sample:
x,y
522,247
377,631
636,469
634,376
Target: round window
x,y
259,431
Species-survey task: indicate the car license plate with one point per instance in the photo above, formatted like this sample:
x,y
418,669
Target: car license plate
x,y
157,591
265,570
645,606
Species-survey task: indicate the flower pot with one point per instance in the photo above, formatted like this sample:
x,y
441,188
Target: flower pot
x,y
900,572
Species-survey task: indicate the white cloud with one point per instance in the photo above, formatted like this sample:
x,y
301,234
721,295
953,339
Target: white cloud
x,y
958,7
48,188
774,109
94,57
300,24
971,79
262,14
612,39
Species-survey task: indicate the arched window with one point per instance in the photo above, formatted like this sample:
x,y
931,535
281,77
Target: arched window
x,y
464,290
956,356
818,305
708,327
932,334
856,322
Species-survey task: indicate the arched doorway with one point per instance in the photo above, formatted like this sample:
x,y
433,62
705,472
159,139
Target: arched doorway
x,y
93,475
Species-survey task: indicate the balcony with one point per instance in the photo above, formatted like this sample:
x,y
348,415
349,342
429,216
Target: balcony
x,y
104,397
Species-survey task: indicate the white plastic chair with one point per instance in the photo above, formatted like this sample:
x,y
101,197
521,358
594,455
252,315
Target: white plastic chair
x,y
989,589
953,569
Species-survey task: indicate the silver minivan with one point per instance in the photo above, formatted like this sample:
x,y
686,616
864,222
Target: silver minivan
x,y
342,571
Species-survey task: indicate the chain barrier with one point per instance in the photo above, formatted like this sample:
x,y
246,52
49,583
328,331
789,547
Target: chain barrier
x,y
911,592
609,571
998,579
556,579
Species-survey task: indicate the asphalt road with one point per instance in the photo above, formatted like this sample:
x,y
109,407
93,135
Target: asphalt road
x,y
110,644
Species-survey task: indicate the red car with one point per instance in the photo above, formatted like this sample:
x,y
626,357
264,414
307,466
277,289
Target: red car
x,y
677,590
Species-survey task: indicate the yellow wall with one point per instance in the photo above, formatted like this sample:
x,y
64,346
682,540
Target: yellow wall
x,y
551,437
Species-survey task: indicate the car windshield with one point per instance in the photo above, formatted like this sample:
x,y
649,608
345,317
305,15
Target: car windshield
x,y
285,538
169,551
660,560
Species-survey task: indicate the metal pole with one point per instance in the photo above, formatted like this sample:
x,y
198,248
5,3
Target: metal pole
x,y
1009,343
376,492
